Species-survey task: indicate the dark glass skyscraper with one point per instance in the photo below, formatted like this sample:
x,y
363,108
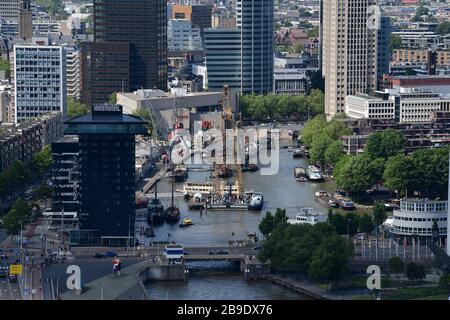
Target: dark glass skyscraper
x,y
255,20
143,24
106,175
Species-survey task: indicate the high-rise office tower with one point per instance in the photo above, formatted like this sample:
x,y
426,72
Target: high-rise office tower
x,y
25,20
142,24
106,175
349,54
255,20
39,80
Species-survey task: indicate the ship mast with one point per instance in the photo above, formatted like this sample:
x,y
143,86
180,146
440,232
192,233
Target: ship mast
x,y
228,122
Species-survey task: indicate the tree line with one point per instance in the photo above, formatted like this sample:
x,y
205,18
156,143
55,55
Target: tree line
x,y
282,107
423,172
316,251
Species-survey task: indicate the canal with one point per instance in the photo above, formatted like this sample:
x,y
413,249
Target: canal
x,y
219,281
218,227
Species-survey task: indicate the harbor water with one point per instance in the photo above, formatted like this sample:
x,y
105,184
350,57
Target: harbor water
x,y
219,227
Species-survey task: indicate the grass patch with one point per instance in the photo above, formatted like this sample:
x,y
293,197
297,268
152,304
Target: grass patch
x,y
414,293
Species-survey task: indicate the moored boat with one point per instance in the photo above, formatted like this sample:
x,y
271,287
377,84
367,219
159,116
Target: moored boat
x,y
256,201
186,223
313,174
180,173
300,174
308,216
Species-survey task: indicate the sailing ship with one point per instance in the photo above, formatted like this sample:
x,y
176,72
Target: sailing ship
x,y
155,210
172,211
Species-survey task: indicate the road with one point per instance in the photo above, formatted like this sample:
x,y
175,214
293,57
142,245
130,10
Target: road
x,y
8,290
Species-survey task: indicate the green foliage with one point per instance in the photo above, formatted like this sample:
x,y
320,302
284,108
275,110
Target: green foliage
x,y
316,81
4,66
314,32
421,11
379,213
358,173
395,42
42,160
278,107
76,108
334,153
366,224
319,146
297,248
424,171
414,271
298,48
396,265
443,28
113,98
444,282
53,7
385,144
304,13
146,115
20,212
270,222
330,259
344,224
312,128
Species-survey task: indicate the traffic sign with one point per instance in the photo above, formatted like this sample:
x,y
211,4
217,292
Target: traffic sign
x,y
15,269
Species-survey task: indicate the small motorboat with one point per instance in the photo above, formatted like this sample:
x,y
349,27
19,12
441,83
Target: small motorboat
x,y
186,223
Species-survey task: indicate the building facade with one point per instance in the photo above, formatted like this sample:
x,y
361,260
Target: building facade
x,y
39,81
9,9
255,21
142,24
416,217
105,69
73,72
106,175
349,52
198,14
25,20
182,36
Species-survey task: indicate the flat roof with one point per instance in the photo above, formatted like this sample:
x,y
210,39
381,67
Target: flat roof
x,y
106,119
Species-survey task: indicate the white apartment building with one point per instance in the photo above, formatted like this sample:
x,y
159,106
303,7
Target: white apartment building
x,y
39,80
405,107
181,36
9,9
349,55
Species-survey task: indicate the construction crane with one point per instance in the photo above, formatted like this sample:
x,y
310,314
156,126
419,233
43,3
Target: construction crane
x,y
226,170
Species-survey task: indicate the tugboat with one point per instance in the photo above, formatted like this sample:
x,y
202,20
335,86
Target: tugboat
x,y
180,173
300,174
186,223
155,210
172,212
256,201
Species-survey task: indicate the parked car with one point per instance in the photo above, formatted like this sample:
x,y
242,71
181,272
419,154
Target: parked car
x,y
222,252
111,254
99,255
211,252
12,278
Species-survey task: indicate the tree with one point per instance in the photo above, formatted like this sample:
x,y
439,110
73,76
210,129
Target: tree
x,y
385,144
313,33
316,82
420,12
444,282
379,214
318,148
5,66
311,128
351,223
146,115
414,271
396,265
358,173
330,260
113,98
266,224
338,222
76,108
304,13
395,42
42,160
443,28
334,153
398,173
366,224
20,212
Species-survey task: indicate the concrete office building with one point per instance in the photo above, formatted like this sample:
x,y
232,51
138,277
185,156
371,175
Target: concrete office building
x,y
73,72
9,9
182,36
349,52
198,14
142,24
39,80
106,175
